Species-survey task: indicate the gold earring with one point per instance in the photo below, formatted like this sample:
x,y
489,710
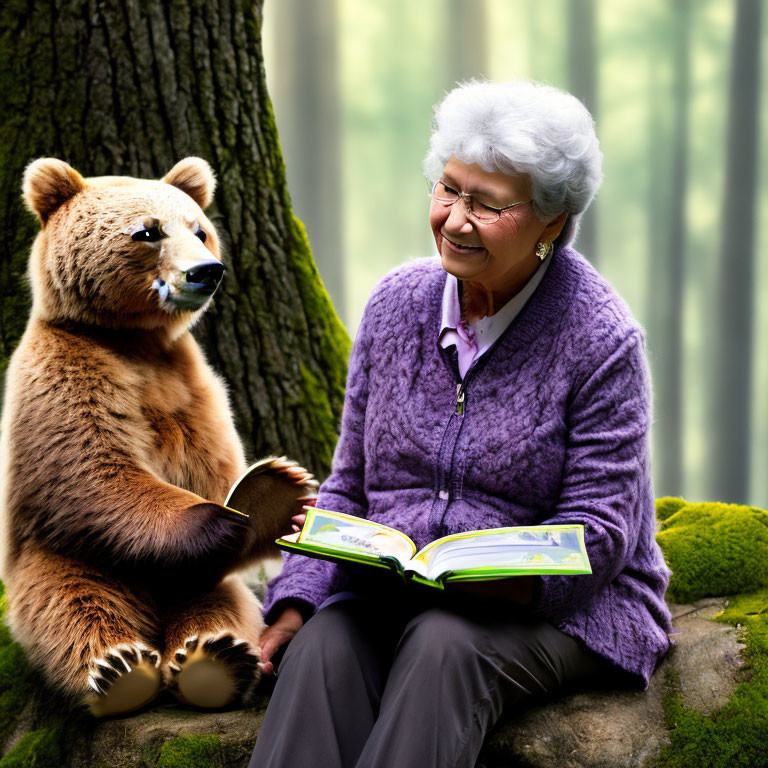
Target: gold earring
x,y
542,250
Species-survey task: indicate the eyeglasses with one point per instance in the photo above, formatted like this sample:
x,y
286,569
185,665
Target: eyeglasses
x,y
480,212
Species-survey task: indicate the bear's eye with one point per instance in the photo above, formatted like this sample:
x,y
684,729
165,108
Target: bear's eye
x,y
147,235
203,237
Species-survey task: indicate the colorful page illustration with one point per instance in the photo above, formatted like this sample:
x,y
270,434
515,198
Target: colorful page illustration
x,y
333,531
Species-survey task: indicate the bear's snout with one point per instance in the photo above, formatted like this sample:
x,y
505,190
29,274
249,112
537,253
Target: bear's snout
x,y
189,289
208,274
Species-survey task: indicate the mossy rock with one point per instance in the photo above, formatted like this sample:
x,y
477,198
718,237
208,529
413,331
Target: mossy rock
x,y
191,752
18,683
668,505
40,748
714,549
734,735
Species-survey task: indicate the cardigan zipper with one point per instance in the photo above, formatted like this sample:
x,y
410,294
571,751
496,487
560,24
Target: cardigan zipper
x,y
460,399
461,387
445,468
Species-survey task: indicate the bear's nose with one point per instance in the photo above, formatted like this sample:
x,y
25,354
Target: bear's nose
x,y
208,274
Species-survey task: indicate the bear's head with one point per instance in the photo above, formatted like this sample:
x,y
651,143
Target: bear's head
x,y
119,252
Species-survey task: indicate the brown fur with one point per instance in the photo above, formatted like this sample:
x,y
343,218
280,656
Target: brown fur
x,y
118,445
230,606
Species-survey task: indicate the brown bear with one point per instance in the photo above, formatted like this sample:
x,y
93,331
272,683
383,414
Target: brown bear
x,y
118,449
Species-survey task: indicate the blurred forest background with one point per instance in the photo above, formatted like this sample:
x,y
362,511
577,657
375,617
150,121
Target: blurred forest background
x,y
675,90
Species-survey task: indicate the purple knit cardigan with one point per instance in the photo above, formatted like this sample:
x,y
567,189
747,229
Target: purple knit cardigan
x,y
554,429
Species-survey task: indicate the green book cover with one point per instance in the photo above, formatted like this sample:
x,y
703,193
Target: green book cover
x,y
494,553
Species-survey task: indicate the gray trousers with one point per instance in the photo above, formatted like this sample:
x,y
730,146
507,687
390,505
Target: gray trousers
x,y
415,682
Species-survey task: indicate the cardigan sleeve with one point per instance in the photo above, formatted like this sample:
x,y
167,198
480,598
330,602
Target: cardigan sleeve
x,y
307,582
606,483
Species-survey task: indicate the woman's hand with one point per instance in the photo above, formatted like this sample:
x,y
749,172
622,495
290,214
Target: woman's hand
x,y
519,589
288,623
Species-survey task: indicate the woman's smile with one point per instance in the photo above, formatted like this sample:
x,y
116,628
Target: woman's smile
x,y
464,249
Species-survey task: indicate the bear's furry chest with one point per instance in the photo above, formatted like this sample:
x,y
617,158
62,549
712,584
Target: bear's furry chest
x,y
180,430
171,430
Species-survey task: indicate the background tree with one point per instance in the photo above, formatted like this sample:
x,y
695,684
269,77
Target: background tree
x,y
464,50
129,88
582,83
732,364
667,217
306,99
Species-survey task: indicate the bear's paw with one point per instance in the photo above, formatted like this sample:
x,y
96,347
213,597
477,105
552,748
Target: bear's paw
x,y
125,679
214,671
290,470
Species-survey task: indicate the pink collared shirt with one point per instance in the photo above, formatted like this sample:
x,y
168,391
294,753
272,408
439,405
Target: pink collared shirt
x,y
485,332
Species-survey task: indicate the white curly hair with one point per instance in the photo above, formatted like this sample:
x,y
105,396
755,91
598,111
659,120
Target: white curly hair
x,y
526,127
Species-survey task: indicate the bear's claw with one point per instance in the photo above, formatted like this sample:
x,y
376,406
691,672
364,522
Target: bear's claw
x,y
215,672
125,679
282,465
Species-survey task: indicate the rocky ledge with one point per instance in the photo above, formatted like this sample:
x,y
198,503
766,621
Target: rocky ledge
x,y
584,728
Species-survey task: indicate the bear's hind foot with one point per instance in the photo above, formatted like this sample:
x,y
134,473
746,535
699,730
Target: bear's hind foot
x,y
214,671
126,679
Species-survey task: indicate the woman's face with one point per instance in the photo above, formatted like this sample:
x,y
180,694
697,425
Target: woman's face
x,y
498,256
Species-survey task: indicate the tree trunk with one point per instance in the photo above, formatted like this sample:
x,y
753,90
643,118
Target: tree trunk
x,y
732,358
129,88
582,83
657,204
306,99
464,50
667,266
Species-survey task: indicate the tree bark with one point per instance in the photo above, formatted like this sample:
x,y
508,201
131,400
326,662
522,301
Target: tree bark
x,y
732,359
129,88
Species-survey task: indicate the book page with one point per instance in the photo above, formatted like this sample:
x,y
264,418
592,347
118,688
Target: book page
x,y
345,533
508,551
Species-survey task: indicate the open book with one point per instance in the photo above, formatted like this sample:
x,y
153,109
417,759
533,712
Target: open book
x,y
496,553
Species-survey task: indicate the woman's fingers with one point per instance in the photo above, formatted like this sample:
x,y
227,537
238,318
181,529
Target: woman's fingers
x,y
304,501
278,634
299,519
271,641
267,649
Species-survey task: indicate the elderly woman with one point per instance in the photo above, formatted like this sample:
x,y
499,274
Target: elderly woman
x,y
504,383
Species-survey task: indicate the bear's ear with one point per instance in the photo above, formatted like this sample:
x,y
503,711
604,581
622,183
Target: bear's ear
x,y
48,183
195,177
